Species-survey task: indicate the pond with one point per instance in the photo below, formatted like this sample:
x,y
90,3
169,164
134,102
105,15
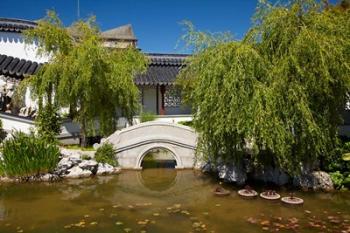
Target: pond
x,y
161,200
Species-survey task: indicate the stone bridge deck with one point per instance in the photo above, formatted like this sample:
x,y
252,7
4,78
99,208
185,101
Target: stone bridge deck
x,y
135,142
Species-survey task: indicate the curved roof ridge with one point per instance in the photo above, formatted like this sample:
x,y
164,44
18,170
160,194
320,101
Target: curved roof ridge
x,y
17,20
16,25
168,54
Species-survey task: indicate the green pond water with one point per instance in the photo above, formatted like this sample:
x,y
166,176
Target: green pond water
x,y
161,200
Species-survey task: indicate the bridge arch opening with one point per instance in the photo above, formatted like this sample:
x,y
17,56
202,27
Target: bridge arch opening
x,y
158,157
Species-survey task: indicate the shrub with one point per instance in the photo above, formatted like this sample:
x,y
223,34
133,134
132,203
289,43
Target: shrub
x,y
26,155
338,159
337,179
346,182
106,154
338,166
147,116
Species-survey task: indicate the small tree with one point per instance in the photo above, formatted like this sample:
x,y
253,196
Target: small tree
x,y
48,123
96,83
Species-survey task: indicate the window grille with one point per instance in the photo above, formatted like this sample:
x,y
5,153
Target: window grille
x,y
172,97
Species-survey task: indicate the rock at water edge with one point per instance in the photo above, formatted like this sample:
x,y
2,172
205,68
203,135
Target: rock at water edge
x,y
104,169
232,173
317,180
90,165
77,172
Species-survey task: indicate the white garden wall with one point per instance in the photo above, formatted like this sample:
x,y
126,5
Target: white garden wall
x,y
12,44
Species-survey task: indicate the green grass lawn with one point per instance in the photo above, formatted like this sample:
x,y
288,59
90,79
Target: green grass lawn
x,y
77,147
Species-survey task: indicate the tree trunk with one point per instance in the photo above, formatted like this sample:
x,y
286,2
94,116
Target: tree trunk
x,y
83,141
49,95
72,110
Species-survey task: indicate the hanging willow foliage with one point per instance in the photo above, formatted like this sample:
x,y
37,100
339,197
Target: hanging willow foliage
x,y
281,89
95,82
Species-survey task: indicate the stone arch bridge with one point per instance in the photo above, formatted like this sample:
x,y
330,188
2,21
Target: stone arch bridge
x,y
134,142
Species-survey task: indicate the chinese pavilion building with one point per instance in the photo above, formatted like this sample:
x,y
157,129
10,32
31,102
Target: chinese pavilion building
x,y
158,94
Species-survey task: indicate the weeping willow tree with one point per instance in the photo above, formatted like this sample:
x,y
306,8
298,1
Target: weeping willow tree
x,y
95,83
277,94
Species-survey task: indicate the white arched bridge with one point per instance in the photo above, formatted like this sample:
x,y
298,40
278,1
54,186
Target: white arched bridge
x,y
134,142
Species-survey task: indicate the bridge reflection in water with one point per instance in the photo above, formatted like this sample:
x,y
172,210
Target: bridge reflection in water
x,y
155,182
158,179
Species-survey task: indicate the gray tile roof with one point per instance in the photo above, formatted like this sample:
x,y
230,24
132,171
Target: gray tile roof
x,y
162,70
15,25
17,68
124,32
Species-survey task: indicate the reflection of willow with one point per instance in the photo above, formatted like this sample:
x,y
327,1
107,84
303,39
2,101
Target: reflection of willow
x,y
157,179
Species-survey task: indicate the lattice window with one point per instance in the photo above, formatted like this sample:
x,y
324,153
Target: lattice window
x,y
172,97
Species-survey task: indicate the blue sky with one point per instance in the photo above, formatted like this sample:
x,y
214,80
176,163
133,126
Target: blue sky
x,y
156,23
